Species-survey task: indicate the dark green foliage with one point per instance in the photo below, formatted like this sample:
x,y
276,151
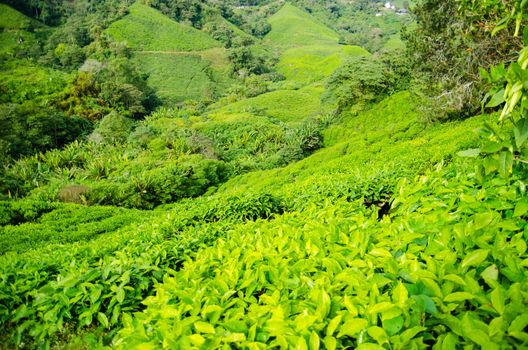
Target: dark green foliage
x,y
448,48
27,128
103,87
15,213
247,60
190,178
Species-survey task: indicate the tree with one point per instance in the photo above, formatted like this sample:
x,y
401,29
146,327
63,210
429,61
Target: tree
x,y
361,80
30,128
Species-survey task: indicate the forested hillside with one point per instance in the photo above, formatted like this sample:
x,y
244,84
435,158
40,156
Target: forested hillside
x,y
254,174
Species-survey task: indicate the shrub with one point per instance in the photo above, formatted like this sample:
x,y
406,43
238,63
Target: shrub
x,y
189,178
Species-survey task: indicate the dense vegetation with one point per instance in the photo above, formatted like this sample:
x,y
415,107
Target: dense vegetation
x,y
189,174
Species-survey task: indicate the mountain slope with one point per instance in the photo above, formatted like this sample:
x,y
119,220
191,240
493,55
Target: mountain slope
x,y
14,30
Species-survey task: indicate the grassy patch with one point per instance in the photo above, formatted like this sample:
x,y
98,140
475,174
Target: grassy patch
x,y
12,19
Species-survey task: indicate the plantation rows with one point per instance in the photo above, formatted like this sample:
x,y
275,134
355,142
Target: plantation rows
x,y
447,269
295,256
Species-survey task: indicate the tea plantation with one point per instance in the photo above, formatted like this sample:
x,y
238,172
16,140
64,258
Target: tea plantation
x,y
321,202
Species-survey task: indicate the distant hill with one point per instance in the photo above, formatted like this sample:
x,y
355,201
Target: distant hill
x,y
144,28
187,75
294,27
285,105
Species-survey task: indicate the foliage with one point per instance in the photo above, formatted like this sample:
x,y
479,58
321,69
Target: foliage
x,y
448,48
506,150
246,60
261,220
26,128
308,64
360,80
25,81
113,128
190,177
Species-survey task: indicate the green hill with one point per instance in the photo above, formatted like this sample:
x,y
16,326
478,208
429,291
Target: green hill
x,y
346,213
294,27
146,29
182,62
312,228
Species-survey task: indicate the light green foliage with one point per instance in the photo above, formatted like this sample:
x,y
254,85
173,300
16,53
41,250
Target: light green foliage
x,y
307,64
25,81
293,27
284,105
333,274
324,270
366,155
148,30
231,226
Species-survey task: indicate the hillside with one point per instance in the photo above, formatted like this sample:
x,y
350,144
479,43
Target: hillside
x,y
146,29
199,174
13,19
284,105
293,27
306,221
179,76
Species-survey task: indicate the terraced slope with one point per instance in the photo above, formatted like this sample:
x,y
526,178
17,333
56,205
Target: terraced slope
x,y
182,62
293,27
298,255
